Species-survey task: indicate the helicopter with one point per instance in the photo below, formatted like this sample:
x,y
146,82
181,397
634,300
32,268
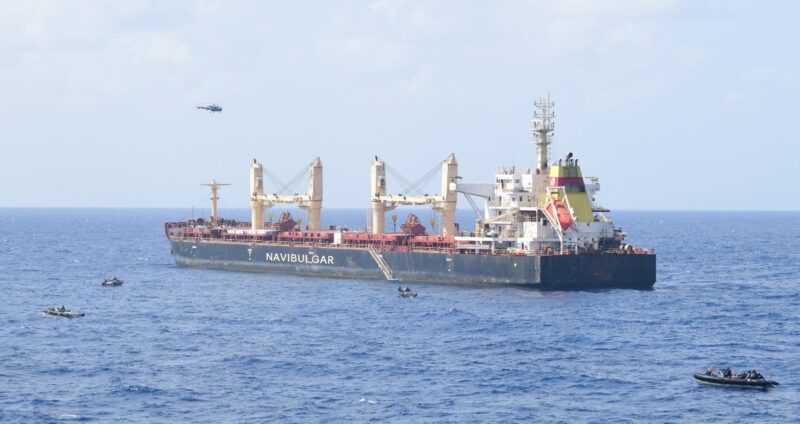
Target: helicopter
x,y
211,108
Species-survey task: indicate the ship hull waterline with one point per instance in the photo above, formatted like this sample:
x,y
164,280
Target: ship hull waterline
x,y
552,272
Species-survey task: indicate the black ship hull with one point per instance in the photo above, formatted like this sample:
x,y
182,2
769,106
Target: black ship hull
x,y
553,272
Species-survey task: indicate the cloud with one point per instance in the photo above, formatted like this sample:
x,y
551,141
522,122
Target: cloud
x,y
151,47
602,26
760,74
626,94
573,33
770,76
391,7
606,8
37,24
639,34
690,56
420,81
365,52
731,98
88,47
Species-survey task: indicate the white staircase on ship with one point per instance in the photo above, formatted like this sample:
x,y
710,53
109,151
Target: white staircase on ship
x,y
387,272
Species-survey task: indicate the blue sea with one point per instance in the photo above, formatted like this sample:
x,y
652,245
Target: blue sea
x,y
195,345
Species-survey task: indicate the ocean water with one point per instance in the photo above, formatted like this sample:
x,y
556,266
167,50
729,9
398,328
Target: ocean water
x,y
193,345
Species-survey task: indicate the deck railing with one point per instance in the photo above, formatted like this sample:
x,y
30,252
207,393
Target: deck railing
x,y
382,246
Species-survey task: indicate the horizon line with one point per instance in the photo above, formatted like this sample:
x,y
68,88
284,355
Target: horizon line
x,y
362,209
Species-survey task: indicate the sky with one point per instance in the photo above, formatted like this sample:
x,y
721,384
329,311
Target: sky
x,y
674,105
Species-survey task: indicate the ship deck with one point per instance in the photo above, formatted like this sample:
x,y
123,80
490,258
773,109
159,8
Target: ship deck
x,y
390,242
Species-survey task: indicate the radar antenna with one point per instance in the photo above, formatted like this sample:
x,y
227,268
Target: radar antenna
x,y
214,197
542,130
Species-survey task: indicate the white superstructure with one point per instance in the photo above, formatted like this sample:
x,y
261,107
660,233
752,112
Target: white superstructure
x,y
550,208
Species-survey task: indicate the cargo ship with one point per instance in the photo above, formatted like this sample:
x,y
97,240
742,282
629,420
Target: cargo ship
x,y
540,227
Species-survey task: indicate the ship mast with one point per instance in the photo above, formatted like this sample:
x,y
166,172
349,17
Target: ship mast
x,y
542,130
214,197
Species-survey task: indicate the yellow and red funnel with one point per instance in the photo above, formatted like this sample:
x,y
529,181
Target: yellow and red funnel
x,y
573,195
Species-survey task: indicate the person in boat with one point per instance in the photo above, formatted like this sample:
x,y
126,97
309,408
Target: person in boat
x,y
710,371
726,373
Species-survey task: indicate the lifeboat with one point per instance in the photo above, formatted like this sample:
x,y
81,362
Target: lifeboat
x,y
558,210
